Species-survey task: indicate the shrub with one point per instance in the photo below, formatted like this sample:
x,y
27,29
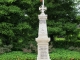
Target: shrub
x,y
2,50
77,49
51,49
29,49
5,48
71,48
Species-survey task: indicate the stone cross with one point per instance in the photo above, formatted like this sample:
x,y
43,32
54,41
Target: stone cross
x,y
42,8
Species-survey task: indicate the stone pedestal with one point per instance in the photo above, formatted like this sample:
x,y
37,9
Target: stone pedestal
x,y
43,40
43,49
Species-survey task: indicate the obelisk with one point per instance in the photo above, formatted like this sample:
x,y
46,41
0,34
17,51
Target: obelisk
x,y
43,40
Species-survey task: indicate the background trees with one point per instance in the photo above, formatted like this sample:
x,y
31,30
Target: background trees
x,y
62,20
19,21
14,28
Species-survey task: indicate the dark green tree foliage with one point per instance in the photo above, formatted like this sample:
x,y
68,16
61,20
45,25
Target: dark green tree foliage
x,y
78,19
14,27
20,30
62,22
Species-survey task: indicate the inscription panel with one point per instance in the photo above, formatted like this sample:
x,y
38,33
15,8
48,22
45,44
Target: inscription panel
x,y
43,52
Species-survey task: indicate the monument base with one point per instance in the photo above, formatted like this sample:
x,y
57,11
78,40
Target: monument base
x,y
43,49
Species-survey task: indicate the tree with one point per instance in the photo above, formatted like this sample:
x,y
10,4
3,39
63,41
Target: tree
x,y
14,29
78,26
62,19
19,21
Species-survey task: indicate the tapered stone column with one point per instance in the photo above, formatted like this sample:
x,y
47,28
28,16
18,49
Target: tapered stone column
x,y
43,40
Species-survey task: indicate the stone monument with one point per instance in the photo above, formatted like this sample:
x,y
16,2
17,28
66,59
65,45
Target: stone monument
x,y
43,40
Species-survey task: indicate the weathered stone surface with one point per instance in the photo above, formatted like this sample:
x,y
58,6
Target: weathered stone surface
x,y
43,40
43,50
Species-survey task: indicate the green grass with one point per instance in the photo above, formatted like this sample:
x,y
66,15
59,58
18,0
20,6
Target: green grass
x,y
57,54
17,55
65,54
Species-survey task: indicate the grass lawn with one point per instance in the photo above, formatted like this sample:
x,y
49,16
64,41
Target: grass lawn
x,y
17,55
57,54
63,54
